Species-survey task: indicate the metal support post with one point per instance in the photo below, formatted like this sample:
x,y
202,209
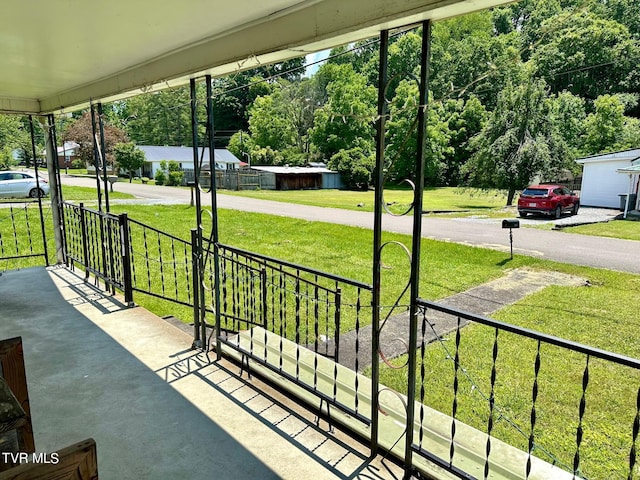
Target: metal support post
x,y
377,236
55,190
198,244
415,244
511,241
197,342
35,163
123,222
85,244
214,214
104,158
96,164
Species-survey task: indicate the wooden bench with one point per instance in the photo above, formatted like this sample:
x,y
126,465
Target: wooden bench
x,y
77,462
22,462
13,372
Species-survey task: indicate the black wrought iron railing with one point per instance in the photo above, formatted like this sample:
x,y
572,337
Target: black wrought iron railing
x,y
22,237
289,318
161,264
98,242
568,404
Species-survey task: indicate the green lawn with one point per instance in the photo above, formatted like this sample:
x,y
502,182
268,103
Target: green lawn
x,y
89,194
435,199
626,229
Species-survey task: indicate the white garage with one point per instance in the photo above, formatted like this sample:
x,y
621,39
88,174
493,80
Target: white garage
x,y
602,185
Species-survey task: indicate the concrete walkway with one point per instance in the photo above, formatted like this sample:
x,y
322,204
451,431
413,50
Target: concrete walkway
x,y
482,300
157,409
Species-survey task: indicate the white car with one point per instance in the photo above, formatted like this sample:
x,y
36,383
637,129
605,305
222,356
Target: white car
x,y
22,184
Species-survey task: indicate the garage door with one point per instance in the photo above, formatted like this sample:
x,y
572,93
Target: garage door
x,y
601,184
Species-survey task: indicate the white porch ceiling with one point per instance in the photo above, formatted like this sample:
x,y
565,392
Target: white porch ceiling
x,y
57,55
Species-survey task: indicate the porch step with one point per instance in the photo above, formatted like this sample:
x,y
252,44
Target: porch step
x,y
318,373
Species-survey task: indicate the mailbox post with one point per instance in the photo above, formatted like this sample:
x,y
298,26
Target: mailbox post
x,y
511,223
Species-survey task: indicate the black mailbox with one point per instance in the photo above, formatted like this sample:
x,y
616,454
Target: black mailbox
x,y
510,223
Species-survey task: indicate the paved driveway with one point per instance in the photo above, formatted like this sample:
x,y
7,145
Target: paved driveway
x,y
599,252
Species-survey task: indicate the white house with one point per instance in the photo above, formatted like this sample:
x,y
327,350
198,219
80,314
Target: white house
x,y
224,159
602,184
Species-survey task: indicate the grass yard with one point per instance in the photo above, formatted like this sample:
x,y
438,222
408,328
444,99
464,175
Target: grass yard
x,y
603,315
435,199
89,194
626,229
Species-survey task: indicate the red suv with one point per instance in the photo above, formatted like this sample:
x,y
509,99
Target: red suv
x,y
549,200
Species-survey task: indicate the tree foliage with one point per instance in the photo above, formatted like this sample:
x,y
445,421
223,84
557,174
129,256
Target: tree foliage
x,y
346,120
81,132
13,136
608,128
355,166
128,157
402,136
519,141
588,56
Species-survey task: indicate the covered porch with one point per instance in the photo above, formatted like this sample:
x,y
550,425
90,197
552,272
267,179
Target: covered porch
x,y
157,399
155,407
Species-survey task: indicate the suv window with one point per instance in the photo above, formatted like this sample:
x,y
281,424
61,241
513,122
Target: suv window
x,y
539,192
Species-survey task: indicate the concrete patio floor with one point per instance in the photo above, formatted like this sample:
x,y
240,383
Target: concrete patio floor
x,y
156,408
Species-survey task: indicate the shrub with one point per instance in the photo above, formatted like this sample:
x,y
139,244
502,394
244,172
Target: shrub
x,y
175,178
160,177
78,164
355,167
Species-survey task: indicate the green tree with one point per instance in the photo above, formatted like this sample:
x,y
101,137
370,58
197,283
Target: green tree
x,y
233,96
402,136
626,12
588,56
14,135
568,111
608,129
464,121
347,119
158,118
170,173
241,144
128,157
355,167
519,141
469,60
357,55
268,125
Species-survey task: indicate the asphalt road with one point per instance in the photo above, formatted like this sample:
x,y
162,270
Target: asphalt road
x,y
599,252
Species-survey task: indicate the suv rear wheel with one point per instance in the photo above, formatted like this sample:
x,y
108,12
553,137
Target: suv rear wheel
x,y
557,213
